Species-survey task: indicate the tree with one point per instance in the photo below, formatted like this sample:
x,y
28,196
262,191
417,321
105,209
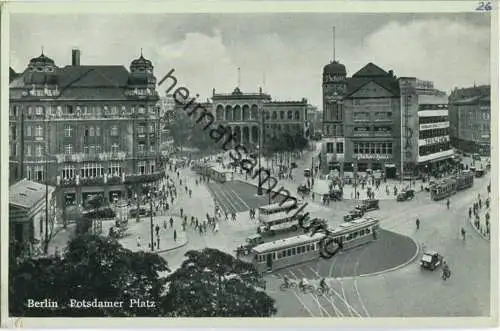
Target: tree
x,y
211,283
92,267
53,215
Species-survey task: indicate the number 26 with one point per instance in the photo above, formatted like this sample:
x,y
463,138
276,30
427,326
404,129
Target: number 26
x,y
484,6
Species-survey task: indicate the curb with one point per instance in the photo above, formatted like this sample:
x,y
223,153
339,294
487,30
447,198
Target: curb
x,y
471,222
171,249
402,265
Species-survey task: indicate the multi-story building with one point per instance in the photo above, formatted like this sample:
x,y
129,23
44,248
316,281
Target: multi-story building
x,y
387,124
470,119
240,112
425,126
333,142
372,121
167,107
85,129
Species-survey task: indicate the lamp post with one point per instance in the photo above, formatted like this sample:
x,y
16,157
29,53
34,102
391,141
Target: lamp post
x,y
151,219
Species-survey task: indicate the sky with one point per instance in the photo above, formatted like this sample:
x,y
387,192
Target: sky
x,y
283,53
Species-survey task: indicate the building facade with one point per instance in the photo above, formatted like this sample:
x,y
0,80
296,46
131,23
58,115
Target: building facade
x,y
425,126
472,124
85,129
28,203
241,113
378,122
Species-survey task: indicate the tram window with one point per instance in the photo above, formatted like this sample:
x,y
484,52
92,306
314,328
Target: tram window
x,y
293,251
274,256
301,249
288,252
368,230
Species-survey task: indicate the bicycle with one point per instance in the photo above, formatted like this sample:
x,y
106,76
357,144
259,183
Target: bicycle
x,y
323,291
307,288
288,285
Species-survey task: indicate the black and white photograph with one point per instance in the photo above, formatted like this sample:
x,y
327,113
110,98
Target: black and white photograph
x,y
279,164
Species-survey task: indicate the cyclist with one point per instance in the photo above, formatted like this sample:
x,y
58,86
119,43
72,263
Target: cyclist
x,y
286,281
323,284
303,284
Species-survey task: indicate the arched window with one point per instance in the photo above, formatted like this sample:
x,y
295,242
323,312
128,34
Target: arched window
x,y
297,115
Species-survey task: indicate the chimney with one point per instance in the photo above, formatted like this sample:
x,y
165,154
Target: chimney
x,y
75,57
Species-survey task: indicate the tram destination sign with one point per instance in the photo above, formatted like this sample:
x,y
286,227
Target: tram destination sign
x,y
372,156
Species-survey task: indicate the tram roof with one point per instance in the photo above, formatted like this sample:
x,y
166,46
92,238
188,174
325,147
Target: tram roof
x,y
288,203
288,242
359,223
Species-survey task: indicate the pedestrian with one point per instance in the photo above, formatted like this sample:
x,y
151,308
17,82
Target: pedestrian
x,y
182,211
417,223
463,233
157,229
190,193
480,204
171,222
175,235
470,212
139,241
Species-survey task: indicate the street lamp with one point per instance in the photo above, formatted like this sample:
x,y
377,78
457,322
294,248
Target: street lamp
x,y
151,219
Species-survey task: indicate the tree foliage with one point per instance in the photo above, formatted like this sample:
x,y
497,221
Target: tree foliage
x,y
287,142
211,283
91,267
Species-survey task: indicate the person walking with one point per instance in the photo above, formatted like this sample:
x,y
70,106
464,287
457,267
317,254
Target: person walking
x,y
171,222
175,235
417,223
157,230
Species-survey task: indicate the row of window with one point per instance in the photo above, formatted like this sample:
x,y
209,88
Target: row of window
x,y
115,148
382,129
334,112
432,119
95,170
310,247
289,252
474,115
434,133
335,130
365,116
435,148
83,110
372,148
339,148
432,106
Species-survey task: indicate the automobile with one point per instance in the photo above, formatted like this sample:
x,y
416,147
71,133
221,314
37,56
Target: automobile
x,y
480,173
336,195
219,159
250,242
368,205
293,165
431,260
303,189
405,195
143,212
476,157
353,214
307,172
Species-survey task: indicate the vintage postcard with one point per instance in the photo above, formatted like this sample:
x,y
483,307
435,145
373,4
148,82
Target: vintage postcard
x,y
250,163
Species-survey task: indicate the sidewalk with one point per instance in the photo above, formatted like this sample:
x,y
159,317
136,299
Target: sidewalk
x,y
481,229
143,229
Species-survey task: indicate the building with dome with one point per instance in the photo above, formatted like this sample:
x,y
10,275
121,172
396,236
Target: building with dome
x,y
86,129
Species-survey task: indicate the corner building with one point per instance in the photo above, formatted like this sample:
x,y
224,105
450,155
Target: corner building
x,y
85,129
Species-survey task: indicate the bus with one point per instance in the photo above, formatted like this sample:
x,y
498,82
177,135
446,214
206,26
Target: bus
x,y
285,221
287,206
299,249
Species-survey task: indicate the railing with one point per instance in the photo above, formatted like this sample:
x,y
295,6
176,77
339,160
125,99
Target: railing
x,y
92,181
112,156
67,182
115,180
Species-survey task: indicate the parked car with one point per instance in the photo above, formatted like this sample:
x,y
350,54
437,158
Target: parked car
x,y
480,173
431,260
307,172
353,214
368,205
251,241
293,165
303,189
406,195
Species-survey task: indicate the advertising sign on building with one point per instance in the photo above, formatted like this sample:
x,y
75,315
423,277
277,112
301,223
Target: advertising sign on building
x,y
437,125
433,140
372,156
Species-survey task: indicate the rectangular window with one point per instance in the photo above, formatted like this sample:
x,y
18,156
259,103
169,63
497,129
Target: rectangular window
x,y
28,131
329,147
340,148
114,131
115,148
68,149
39,150
38,131
85,149
39,110
98,131
28,150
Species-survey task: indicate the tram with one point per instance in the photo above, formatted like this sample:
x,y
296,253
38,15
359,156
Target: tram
x,y
299,249
449,186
